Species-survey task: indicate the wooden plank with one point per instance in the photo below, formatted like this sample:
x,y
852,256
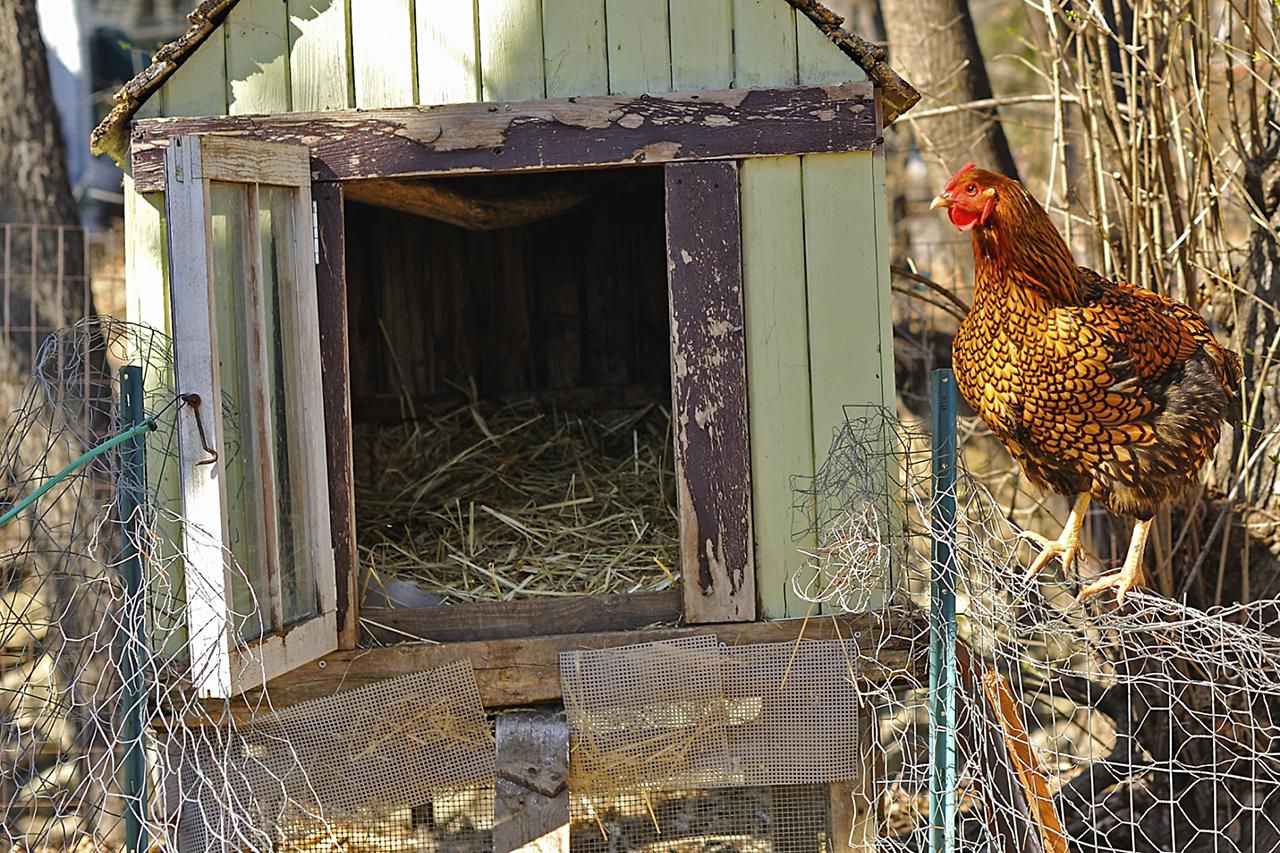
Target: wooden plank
x,y
701,44
856,808
257,52
320,75
448,65
573,48
611,130
820,61
226,158
511,50
203,502
526,671
764,44
846,355
639,46
777,331
382,52
496,620
709,392
531,799
331,301
199,85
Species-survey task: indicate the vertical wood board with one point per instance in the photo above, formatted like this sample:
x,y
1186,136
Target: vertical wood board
x,y
701,44
511,66
331,302
639,46
448,65
319,55
777,332
573,45
764,44
531,801
382,52
257,57
709,392
820,61
199,85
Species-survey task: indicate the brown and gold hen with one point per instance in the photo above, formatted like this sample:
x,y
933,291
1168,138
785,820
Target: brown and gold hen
x,y
1099,389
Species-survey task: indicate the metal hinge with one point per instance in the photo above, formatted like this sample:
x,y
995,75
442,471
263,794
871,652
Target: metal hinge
x,y
315,230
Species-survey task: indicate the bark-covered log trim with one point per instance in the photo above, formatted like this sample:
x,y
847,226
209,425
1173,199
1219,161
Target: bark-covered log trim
x,y
709,392
573,133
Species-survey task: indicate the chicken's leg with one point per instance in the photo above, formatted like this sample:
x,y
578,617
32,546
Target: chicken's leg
x,y
1130,575
1066,546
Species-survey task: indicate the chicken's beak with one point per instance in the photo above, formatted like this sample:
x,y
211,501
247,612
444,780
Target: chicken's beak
x,y
939,200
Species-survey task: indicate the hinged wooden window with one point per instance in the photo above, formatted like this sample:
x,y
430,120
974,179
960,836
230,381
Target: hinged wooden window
x,y
259,577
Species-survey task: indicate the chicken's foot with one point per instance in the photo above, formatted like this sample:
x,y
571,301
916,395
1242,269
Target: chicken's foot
x,y
1066,546
1130,575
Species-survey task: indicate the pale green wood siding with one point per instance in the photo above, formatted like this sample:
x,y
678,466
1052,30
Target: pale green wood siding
x,y
815,255
639,46
319,55
382,53
701,44
779,404
448,70
257,57
511,50
573,47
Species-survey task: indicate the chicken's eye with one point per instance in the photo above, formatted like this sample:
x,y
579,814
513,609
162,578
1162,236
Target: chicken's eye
x,y
971,189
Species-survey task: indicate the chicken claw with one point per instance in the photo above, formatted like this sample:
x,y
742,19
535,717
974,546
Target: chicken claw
x,y
1066,546
1130,575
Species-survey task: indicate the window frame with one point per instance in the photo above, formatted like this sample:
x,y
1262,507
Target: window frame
x,y
222,665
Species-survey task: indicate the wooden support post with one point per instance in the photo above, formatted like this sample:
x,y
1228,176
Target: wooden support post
x,y
709,393
531,803
854,807
331,303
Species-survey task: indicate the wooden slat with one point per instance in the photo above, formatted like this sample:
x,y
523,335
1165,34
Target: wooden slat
x,y
382,52
573,47
531,800
709,392
526,671
319,58
199,85
764,44
331,302
203,504
448,68
511,50
583,132
639,46
777,329
820,60
227,158
856,808
701,44
257,47
499,620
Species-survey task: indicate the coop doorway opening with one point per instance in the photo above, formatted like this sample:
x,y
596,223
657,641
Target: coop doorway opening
x,y
510,387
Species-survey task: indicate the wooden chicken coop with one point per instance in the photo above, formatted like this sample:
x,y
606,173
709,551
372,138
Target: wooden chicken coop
x,y
388,234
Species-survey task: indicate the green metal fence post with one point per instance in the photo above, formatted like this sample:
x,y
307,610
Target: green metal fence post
x,y
132,675
942,620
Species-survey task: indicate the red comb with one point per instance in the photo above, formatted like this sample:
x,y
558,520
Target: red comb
x,y
955,179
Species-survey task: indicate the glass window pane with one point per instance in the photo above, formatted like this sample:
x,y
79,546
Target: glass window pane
x,y
250,590
276,227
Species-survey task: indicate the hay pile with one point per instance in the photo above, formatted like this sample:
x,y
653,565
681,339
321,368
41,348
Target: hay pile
x,y
491,502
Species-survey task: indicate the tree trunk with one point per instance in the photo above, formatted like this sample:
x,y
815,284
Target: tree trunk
x,y
933,44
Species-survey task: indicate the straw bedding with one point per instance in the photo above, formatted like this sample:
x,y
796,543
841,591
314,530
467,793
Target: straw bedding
x,y
487,502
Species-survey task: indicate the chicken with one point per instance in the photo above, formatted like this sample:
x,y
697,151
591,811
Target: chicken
x,y
1101,390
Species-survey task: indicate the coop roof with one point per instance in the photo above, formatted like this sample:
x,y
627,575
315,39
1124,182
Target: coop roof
x,y
111,136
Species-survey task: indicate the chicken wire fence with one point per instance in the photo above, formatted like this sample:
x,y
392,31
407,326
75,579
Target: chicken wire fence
x,y
1077,727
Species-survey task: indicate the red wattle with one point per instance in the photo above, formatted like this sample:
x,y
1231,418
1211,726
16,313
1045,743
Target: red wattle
x,y
963,219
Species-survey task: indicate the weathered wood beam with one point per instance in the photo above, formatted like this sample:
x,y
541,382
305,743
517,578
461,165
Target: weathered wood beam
x,y
531,800
500,620
709,392
572,133
475,211
526,671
